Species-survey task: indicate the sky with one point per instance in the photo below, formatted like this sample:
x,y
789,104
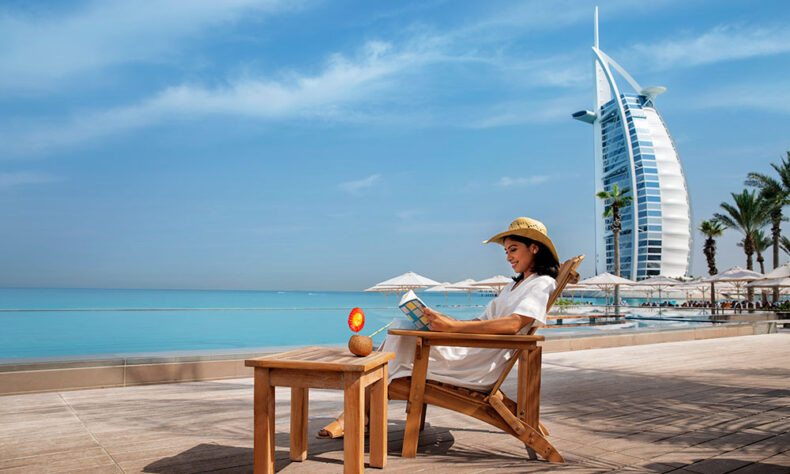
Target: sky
x,y
307,144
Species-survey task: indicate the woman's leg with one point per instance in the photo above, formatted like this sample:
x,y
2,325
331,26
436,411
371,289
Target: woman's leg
x,y
335,428
403,347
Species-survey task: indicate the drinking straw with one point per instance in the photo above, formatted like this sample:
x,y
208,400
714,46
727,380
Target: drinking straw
x,y
385,327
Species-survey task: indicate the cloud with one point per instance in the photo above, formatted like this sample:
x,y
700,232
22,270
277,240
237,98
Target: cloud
x,y
722,43
408,214
381,82
344,82
523,181
358,187
526,112
748,96
10,180
37,51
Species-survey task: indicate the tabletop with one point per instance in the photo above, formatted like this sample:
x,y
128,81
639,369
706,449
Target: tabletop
x,y
321,358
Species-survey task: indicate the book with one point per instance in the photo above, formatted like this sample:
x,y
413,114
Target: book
x,y
414,309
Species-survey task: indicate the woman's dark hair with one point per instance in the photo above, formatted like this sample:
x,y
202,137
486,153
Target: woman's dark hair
x,y
544,263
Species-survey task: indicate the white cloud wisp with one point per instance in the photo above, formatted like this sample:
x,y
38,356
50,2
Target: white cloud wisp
x,y
19,178
722,43
39,51
358,187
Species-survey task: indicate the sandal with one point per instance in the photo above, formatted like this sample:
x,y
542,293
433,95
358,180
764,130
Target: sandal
x,y
330,431
335,430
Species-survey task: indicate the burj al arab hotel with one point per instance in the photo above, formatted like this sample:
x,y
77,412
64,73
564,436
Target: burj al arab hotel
x,y
633,149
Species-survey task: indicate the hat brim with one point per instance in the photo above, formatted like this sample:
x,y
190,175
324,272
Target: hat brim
x,y
528,233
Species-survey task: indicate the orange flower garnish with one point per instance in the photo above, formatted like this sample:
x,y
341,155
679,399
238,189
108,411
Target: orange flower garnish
x,y
356,320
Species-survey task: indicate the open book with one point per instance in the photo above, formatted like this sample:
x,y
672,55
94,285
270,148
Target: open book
x,y
413,307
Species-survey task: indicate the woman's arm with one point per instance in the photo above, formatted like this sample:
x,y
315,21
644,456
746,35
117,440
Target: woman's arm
x,y
507,325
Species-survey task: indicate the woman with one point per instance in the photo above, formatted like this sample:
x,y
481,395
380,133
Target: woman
x,y
520,306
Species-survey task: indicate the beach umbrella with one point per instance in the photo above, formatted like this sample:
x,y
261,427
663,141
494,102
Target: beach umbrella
x,y
443,288
693,286
383,289
407,281
497,283
574,288
606,281
735,275
780,282
467,286
659,282
781,271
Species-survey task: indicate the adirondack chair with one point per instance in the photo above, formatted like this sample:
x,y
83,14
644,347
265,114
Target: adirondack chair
x,y
518,418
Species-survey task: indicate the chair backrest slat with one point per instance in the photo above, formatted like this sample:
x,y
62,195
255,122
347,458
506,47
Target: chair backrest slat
x,y
567,271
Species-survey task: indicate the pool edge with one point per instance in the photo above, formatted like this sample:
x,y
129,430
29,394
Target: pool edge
x,y
123,372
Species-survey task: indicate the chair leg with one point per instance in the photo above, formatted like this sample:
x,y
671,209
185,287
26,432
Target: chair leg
x,y
531,454
543,429
411,435
526,433
422,417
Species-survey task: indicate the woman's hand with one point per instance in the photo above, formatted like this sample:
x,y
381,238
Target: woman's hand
x,y
439,322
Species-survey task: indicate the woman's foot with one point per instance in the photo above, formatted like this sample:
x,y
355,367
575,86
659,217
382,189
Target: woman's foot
x,y
335,428
332,430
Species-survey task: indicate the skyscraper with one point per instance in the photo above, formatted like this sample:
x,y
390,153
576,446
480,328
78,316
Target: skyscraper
x,y
634,150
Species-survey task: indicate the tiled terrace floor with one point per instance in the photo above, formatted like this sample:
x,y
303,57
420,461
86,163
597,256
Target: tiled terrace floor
x,y
716,405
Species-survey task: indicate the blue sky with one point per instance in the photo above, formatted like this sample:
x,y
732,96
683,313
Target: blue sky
x,y
331,145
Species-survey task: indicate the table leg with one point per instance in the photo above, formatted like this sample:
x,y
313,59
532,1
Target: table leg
x,y
299,406
378,421
411,435
264,422
354,425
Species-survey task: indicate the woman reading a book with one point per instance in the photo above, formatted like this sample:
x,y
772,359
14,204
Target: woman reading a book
x,y
520,306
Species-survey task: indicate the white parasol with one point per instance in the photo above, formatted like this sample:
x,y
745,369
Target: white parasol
x,y
606,281
736,276
497,283
659,282
467,286
444,288
407,281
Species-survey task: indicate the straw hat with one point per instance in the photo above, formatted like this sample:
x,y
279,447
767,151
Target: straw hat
x,y
529,228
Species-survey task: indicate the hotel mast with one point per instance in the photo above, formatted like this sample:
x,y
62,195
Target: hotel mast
x,y
634,150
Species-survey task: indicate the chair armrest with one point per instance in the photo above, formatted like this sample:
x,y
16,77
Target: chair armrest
x,y
496,341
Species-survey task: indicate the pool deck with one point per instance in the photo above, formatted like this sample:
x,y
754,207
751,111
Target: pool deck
x,y
703,406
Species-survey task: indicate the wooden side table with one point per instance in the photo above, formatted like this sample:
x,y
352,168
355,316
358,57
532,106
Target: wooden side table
x,y
322,367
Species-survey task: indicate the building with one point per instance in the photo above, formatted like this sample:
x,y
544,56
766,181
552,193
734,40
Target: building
x,y
634,150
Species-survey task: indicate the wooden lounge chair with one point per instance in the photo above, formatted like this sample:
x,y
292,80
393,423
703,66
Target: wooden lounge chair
x,y
519,418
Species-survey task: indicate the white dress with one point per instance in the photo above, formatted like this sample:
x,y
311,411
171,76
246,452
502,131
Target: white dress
x,y
472,367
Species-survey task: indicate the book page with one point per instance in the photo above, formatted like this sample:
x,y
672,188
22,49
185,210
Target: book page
x,y
413,308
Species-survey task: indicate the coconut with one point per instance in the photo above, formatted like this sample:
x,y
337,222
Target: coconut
x,y
360,345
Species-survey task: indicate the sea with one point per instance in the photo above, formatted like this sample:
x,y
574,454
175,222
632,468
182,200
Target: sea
x,y
41,323
50,323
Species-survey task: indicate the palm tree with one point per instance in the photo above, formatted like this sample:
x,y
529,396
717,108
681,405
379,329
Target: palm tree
x,y
777,194
711,229
614,201
761,243
784,242
747,215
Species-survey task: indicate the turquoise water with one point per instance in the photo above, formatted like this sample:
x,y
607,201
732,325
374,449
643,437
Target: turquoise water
x,y
76,322
43,323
